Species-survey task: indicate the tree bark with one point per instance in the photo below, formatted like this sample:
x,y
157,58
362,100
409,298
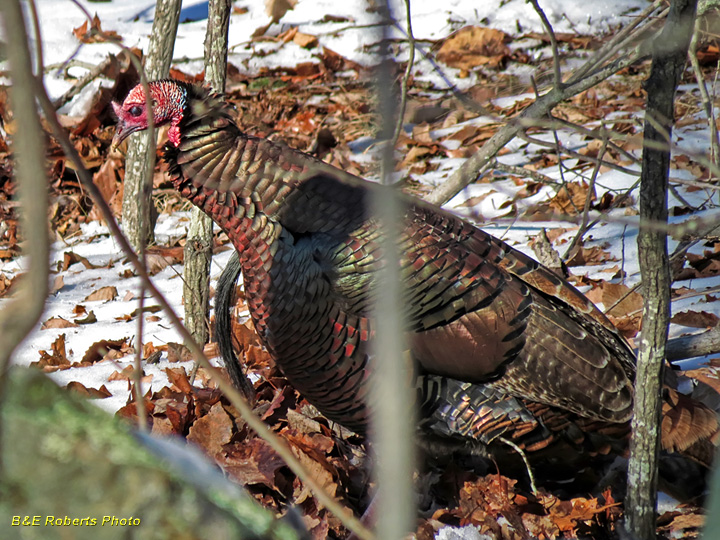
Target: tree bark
x,y
198,249
669,57
137,199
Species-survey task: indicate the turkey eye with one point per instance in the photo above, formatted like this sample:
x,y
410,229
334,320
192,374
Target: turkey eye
x,y
135,110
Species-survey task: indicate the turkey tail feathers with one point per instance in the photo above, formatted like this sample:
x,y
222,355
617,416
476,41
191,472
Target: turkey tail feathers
x,y
688,427
224,300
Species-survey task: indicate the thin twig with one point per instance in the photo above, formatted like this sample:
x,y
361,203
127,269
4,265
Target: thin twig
x,y
705,96
557,75
83,81
586,210
523,172
619,42
406,77
37,37
541,108
521,453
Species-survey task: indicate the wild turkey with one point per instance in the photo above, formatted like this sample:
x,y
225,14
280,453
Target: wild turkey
x,y
503,348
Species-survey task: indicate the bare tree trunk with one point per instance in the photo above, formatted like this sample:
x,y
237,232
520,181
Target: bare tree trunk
x,y
669,57
137,201
198,249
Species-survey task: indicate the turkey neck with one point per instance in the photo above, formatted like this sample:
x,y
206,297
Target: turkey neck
x,y
285,216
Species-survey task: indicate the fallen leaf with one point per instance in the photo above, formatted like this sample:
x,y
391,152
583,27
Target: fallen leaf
x,y
136,312
91,393
696,319
276,9
593,255
306,41
57,358
474,46
99,350
157,263
128,374
5,284
570,198
178,353
57,322
70,258
253,462
104,294
95,34
58,283
89,319
178,378
609,293
212,431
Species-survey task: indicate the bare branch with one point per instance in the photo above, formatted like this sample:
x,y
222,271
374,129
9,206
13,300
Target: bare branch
x,y
467,173
406,76
557,76
705,96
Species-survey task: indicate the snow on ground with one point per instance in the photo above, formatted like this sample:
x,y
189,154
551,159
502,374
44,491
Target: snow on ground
x,y
352,32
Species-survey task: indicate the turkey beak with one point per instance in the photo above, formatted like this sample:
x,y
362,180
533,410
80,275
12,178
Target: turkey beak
x,y
122,132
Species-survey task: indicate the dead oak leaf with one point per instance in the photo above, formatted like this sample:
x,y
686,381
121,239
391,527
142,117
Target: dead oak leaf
x,y
609,293
591,256
58,283
103,294
178,352
696,319
100,349
253,462
474,46
56,359
57,322
90,393
70,258
95,33
570,198
276,9
128,374
212,431
708,376
90,318
179,379
5,284
171,415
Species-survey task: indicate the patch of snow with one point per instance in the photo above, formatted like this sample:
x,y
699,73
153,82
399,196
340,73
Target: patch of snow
x,y
461,533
